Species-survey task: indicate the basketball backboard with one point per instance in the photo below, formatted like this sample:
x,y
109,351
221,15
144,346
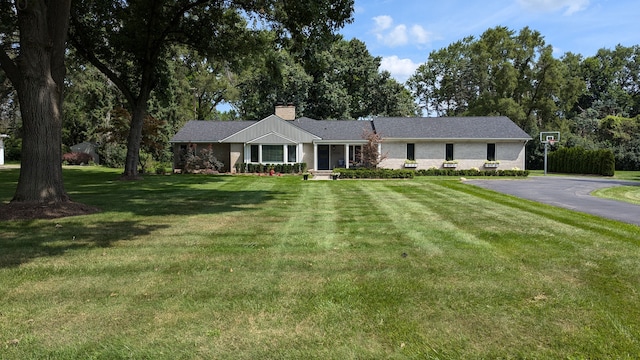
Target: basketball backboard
x,y
549,137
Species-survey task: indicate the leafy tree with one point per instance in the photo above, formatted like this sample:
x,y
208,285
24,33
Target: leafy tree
x,y
621,135
9,109
341,82
33,41
197,84
348,84
371,156
130,42
500,73
90,99
274,78
612,81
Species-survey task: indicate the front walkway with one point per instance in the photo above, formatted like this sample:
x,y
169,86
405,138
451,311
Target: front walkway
x,y
322,175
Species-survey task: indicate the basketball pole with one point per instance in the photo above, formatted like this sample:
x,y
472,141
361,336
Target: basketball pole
x,y
546,147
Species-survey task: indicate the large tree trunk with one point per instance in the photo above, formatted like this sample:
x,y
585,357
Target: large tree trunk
x,y
135,138
43,29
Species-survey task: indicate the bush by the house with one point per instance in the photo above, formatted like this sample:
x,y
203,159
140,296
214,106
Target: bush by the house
x,y
471,172
374,174
248,168
577,160
204,162
77,158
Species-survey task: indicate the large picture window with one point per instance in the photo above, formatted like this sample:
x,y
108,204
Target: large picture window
x,y
448,152
272,153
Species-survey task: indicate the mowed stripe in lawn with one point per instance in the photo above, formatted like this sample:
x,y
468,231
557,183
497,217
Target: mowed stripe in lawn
x,y
276,267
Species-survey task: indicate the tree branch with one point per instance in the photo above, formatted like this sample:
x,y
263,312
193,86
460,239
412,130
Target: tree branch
x,y
120,84
11,69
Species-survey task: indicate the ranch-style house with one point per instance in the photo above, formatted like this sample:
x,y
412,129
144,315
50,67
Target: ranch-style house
x,y
489,142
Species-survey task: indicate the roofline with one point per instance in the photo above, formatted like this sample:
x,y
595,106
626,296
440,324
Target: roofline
x,y
463,138
194,142
290,122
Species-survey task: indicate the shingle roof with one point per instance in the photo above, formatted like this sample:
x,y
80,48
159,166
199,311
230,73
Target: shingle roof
x,y
334,129
485,127
207,131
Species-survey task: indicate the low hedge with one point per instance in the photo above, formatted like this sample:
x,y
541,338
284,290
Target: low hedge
x,y
471,172
249,168
409,174
374,174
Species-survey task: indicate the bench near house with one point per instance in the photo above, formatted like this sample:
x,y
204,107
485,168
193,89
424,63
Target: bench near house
x,y
461,142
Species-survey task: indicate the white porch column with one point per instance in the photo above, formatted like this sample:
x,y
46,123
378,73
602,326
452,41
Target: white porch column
x,y
260,153
346,156
315,156
379,150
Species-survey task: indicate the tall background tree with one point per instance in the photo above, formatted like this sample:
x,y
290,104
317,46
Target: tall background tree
x,y
33,40
500,73
130,42
343,82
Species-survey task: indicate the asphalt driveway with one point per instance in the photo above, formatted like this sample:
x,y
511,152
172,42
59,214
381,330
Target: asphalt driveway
x,y
570,193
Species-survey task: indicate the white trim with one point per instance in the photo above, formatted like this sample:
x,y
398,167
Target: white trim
x,y
257,140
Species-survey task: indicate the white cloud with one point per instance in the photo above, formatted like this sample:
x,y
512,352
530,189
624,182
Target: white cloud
x,y
420,35
383,22
400,69
571,6
398,35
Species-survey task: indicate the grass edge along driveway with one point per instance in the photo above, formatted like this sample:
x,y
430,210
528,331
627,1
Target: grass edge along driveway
x,y
182,267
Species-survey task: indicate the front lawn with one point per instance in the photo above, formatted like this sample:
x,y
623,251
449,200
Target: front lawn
x,y
248,267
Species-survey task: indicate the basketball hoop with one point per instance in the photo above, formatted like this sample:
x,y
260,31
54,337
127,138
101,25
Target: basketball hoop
x,y
548,138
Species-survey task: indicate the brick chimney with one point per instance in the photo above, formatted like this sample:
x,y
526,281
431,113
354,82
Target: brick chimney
x,y
286,112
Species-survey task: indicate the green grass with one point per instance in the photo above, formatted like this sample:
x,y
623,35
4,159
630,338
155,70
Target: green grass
x,y
243,267
621,175
629,194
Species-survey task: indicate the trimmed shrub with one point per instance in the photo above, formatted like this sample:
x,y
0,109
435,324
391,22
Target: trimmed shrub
x,y
248,168
471,172
577,160
77,158
374,174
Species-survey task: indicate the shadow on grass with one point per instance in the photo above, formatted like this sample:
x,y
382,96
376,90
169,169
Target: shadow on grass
x,y
164,199
22,242
156,195
175,195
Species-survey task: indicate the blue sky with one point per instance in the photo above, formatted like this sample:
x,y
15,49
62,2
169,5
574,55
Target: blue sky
x,y
404,32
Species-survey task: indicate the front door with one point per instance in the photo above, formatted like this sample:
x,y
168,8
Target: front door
x,y
323,157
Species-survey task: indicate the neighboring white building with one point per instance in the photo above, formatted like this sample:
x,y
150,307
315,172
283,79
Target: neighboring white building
x,y
2,137
464,142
